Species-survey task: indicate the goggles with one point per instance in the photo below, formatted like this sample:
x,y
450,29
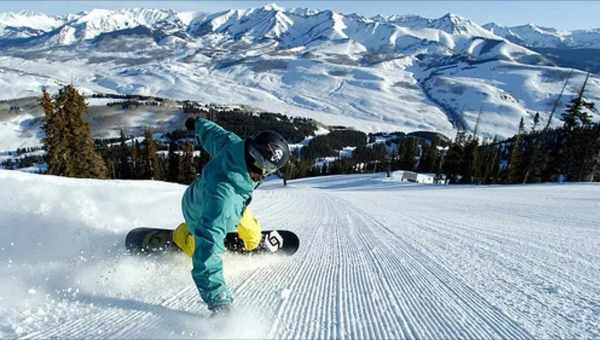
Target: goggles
x,y
260,163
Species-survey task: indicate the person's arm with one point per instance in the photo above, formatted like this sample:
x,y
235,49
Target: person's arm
x,y
207,263
211,136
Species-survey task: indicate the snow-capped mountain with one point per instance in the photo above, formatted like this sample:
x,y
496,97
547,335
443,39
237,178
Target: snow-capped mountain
x,y
24,24
89,25
379,73
448,23
537,36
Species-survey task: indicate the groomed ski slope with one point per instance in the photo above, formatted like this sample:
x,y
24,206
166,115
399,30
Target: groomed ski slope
x,y
378,259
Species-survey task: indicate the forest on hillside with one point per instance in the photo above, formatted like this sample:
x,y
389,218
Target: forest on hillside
x,y
535,154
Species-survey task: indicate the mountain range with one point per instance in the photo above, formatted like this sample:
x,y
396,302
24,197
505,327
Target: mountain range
x,y
373,73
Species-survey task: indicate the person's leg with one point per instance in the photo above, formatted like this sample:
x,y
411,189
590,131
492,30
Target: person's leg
x,y
249,230
184,239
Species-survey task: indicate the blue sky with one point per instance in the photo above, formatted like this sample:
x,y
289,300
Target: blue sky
x,y
563,15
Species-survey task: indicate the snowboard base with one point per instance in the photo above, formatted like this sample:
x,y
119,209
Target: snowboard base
x,y
159,241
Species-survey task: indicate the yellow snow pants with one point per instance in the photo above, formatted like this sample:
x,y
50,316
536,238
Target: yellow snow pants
x,y
248,229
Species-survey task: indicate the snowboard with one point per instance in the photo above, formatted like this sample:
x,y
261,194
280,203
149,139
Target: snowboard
x,y
156,241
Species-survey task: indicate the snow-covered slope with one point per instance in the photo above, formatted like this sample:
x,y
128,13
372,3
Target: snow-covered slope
x,y
342,69
378,259
503,92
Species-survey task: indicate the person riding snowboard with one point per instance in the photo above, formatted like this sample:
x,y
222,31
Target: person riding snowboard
x,y
216,202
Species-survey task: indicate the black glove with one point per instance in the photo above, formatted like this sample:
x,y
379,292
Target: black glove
x,y
220,310
190,123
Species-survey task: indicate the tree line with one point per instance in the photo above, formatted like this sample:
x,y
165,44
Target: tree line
x,y
131,159
570,152
532,155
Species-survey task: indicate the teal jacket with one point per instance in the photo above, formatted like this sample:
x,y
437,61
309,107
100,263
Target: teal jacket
x,y
213,204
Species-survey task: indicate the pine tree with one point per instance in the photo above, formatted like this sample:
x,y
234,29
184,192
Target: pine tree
x,y
173,163
88,162
454,158
589,153
125,171
535,158
493,172
71,136
137,163
575,116
536,121
152,169
290,170
489,163
467,163
407,154
55,141
552,162
577,152
188,170
557,101
479,163
516,157
429,157
109,157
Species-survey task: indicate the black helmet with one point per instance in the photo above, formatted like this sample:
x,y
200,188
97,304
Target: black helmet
x,y
266,152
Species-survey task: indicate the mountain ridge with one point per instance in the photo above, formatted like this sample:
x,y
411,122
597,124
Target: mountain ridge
x,y
373,73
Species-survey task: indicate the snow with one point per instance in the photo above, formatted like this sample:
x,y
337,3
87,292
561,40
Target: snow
x,y
18,132
98,21
504,92
187,17
27,20
378,259
403,176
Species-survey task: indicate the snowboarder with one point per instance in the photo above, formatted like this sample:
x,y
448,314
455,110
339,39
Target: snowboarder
x,y
216,202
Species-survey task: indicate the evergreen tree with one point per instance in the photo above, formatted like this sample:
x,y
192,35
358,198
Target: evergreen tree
x,y
290,169
187,170
407,154
125,171
536,121
109,157
575,115
515,166
429,157
137,163
370,155
453,160
490,162
71,136
304,168
480,155
551,154
534,158
493,171
577,152
467,162
173,163
150,157
589,153
55,141
86,161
